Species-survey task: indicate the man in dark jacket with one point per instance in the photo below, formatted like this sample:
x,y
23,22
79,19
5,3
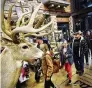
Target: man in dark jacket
x,y
80,48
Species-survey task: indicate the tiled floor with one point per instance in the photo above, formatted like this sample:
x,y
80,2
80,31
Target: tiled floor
x,y
60,79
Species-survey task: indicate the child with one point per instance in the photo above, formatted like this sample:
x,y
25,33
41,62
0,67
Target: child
x,y
66,54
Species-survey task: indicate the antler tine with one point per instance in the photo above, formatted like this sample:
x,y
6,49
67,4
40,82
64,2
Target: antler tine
x,y
2,14
23,22
9,18
23,17
19,20
33,15
3,20
44,27
21,7
9,14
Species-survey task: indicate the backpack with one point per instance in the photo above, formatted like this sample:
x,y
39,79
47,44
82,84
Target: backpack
x,y
56,65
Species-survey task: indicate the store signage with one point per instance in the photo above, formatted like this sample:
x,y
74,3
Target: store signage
x,y
62,19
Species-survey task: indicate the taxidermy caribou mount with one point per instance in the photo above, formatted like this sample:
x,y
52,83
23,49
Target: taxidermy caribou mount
x,y
13,54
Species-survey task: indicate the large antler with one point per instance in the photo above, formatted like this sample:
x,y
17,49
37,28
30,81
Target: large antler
x,y
40,34
27,28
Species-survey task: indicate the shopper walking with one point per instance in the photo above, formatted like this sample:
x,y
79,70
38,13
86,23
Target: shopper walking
x,y
87,38
60,47
80,48
66,53
47,68
47,65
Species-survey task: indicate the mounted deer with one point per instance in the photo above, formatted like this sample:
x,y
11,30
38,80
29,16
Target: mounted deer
x,y
12,55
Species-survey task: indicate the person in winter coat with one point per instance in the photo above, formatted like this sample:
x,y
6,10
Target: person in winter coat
x,y
87,38
60,47
38,70
47,69
80,48
66,55
47,64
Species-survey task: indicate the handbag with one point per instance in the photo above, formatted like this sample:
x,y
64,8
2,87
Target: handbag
x,y
56,65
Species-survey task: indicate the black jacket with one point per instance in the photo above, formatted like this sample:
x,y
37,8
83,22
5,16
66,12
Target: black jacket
x,y
83,47
88,41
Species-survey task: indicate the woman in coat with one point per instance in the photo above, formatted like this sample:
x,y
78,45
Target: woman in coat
x,y
47,65
66,56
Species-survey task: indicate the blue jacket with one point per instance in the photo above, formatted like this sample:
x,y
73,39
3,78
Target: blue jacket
x,y
69,55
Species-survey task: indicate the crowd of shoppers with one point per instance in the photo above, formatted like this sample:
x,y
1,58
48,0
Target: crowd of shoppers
x,y
75,51
79,51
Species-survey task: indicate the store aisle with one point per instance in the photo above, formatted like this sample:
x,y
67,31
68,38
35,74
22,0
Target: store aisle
x,y
60,80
